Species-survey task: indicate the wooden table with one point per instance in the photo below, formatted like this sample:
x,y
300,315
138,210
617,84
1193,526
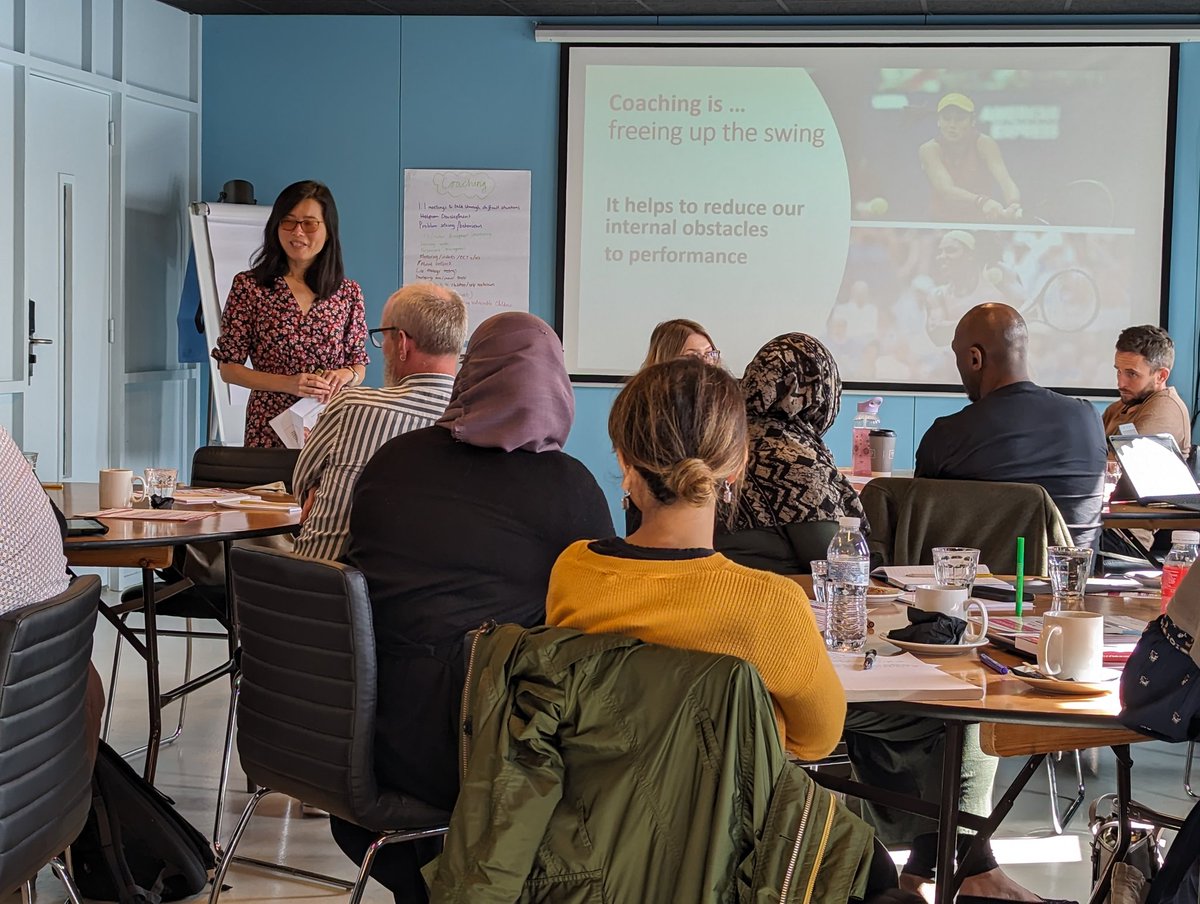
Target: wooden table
x,y
151,545
1130,515
1015,719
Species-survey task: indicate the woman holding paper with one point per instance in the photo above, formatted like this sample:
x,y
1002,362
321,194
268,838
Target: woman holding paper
x,y
294,315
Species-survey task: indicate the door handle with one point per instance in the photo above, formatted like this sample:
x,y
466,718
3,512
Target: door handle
x,y
33,340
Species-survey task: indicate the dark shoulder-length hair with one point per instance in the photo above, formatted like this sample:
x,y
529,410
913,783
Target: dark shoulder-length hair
x,y
325,275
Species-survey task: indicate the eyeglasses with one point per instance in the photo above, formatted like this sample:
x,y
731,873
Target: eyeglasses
x,y
308,224
710,356
377,334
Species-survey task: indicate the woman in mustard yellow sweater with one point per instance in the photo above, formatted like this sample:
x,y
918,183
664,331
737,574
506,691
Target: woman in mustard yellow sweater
x,y
679,429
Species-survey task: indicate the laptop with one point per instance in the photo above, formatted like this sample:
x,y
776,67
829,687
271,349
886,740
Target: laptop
x,y
1156,471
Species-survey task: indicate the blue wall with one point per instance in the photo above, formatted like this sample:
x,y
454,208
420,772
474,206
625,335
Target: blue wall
x,y
353,100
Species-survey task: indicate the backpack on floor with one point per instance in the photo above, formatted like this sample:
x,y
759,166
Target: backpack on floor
x,y
135,847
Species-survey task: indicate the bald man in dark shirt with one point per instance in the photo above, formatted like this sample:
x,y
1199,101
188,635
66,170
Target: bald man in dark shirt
x,y
1014,430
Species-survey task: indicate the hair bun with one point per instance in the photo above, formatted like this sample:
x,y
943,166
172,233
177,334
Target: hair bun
x,y
691,480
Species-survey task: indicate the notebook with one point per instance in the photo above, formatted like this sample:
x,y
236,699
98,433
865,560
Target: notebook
x,y
901,677
1156,471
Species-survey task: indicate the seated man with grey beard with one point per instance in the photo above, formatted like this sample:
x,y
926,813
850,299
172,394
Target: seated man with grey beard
x,y
422,333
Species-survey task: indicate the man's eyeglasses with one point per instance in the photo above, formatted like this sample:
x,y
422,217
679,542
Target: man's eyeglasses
x,y
711,356
377,334
308,224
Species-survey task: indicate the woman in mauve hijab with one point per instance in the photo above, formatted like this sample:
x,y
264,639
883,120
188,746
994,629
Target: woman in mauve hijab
x,y
453,525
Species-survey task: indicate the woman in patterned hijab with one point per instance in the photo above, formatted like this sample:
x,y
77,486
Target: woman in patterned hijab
x,y
793,394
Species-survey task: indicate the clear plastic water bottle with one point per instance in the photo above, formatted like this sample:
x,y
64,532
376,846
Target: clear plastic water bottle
x,y
846,590
866,420
1185,544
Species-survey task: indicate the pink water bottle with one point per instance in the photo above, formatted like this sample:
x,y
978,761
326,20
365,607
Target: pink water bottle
x,y
1184,546
865,421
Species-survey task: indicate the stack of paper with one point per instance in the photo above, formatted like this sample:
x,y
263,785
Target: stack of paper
x,y
206,495
902,677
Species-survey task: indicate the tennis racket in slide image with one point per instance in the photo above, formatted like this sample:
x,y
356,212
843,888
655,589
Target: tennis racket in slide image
x,y
1068,301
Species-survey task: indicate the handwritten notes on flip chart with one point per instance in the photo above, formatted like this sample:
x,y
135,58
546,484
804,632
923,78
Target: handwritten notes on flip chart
x,y
469,230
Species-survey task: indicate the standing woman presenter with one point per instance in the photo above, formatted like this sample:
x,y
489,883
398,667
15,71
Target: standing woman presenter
x,y
294,314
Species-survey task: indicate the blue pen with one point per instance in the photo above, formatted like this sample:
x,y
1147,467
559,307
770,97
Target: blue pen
x,y
993,664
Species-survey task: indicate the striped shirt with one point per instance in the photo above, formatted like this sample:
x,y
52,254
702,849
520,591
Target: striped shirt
x,y
349,431
32,565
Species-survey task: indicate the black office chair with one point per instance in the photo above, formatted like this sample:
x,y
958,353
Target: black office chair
x,y
231,467
45,771
306,702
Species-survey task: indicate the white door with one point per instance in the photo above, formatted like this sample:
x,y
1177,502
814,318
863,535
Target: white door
x,y
67,218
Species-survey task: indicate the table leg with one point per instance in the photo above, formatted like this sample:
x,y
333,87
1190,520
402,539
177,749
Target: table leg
x,y
948,816
153,691
1125,830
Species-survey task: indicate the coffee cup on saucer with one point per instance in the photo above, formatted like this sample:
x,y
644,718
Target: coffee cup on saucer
x,y
1071,646
952,600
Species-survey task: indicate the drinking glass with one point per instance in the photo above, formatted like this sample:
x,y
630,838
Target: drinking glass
x,y
1112,476
160,487
955,566
1069,570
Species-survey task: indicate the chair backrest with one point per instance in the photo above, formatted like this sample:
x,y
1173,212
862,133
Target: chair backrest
x,y
45,770
306,709
910,516
235,467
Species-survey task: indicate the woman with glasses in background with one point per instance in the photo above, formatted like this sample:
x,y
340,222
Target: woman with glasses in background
x,y
294,315
672,339
675,338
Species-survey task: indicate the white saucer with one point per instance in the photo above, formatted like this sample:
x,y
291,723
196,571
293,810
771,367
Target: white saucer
x,y
877,596
1029,675
936,649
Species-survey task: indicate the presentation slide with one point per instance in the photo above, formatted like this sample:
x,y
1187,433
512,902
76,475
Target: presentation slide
x,y
869,196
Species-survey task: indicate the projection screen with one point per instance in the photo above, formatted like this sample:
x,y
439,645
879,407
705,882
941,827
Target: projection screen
x,y
867,195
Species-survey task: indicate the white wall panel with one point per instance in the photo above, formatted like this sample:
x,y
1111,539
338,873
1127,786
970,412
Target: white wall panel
x,y
55,30
104,47
157,191
158,47
9,411
11,321
168,405
8,23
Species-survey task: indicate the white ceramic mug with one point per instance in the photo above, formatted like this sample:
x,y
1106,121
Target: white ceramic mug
x,y
1071,646
952,600
116,488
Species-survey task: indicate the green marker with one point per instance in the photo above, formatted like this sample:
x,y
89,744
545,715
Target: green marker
x,y
1020,574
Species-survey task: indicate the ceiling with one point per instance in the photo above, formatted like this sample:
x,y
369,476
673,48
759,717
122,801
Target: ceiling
x,y
557,8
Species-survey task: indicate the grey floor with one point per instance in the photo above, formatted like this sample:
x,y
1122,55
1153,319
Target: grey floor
x,y
1054,866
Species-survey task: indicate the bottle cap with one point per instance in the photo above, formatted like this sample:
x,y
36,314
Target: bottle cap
x,y
1185,536
870,406
848,523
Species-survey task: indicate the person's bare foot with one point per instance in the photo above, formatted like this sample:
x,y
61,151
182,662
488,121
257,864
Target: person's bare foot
x,y
995,883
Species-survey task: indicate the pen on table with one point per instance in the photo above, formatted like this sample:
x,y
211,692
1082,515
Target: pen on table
x,y
993,664
869,659
1020,583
